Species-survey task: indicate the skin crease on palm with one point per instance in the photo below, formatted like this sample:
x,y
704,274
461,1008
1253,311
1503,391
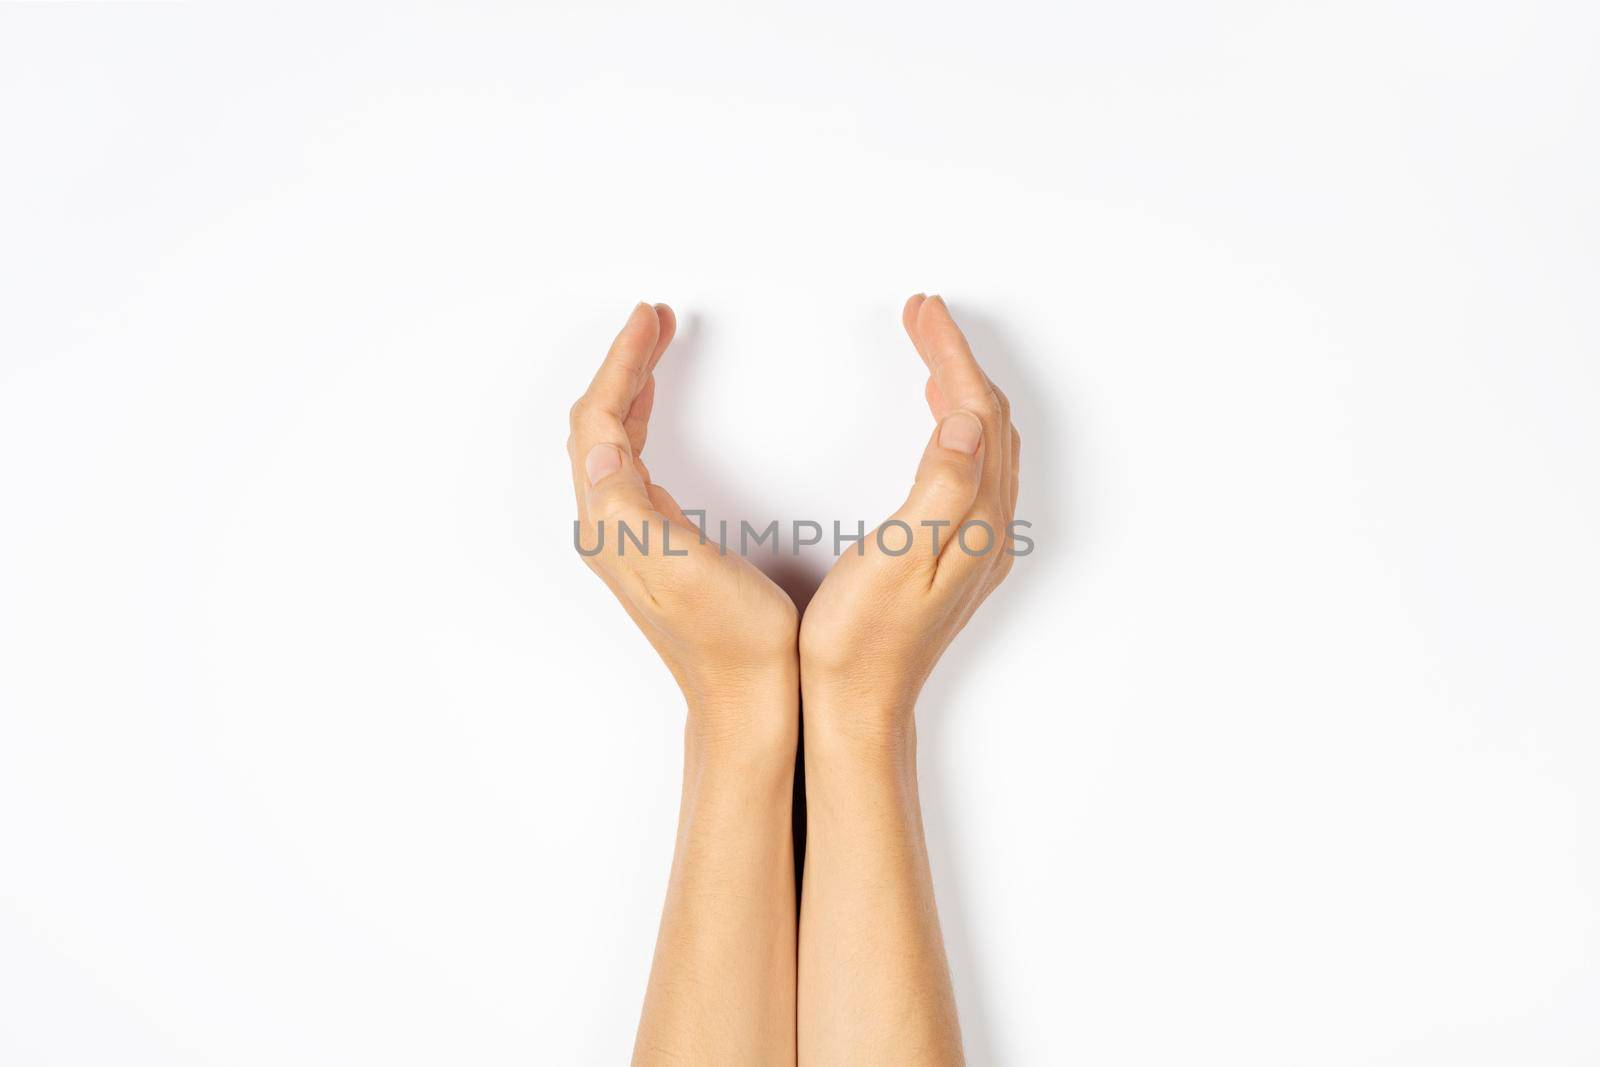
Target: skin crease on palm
x,y
854,972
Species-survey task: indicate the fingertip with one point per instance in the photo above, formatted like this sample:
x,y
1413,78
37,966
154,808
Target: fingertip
x,y
641,320
908,319
942,338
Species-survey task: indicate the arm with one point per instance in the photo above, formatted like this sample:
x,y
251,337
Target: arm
x,y
721,988
874,986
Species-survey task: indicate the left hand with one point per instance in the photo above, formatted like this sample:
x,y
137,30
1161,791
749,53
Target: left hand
x,y
880,621
724,630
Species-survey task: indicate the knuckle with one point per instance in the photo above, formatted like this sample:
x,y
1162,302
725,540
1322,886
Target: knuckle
x,y
944,480
990,409
613,507
990,516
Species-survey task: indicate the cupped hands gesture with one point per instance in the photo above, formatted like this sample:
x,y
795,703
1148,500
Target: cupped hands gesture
x,y
883,615
852,969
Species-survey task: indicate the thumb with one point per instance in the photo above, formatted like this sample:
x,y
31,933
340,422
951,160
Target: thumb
x,y
616,488
947,479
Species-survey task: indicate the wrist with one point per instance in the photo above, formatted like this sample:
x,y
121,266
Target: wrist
x,y
860,726
750,720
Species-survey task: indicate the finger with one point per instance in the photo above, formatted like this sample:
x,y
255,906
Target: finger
x,y
615,489
1004,539
637,422
949,357
936,401
948,481
908,319
963,385
598,419
626,365
668,323
1002,485
1016,467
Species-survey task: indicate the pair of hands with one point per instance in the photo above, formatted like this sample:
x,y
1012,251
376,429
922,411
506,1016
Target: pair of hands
x,y
878,622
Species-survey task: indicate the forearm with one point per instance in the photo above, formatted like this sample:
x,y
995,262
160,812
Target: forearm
x,y
874,985
721,988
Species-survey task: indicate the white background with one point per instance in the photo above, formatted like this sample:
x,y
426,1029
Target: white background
x,y
320,746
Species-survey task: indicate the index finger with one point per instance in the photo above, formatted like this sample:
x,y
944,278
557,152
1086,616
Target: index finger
x,y
627,363
598,419
944,348
629,360
962,385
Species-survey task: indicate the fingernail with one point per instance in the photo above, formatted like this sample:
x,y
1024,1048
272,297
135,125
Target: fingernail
x,y
601,461
960,432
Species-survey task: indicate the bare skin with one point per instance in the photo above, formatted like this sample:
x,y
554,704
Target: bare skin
x,y
721,988
874,985
868,981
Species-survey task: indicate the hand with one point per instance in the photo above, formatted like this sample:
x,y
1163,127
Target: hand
x,y
723,628
880,620
722,985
